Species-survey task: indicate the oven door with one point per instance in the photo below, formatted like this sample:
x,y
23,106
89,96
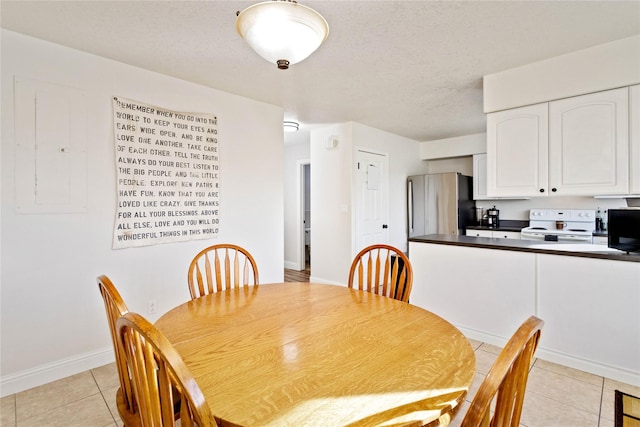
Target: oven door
x,y
532,235
542,235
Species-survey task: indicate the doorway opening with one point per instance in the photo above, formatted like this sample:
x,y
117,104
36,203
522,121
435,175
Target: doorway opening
x,y
307,216
304,222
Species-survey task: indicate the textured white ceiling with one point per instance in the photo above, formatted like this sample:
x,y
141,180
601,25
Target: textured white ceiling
x,y
413,68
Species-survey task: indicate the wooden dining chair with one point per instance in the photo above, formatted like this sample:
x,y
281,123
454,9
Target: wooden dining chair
x,y
221,267
506,381
384,270
159,376
115,307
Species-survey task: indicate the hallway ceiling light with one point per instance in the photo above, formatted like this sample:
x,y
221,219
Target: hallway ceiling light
x,y
282,31
290,126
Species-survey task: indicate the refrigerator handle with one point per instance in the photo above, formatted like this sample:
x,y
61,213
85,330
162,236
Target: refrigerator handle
x,y
410,204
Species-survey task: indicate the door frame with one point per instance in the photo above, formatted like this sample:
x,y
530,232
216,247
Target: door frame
x,y
300,259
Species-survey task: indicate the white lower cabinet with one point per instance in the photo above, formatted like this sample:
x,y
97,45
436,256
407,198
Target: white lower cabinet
x,y
505,234
479,233
497,234
591,307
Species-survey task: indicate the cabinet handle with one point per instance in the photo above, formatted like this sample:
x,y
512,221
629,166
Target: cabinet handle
x,y
542,190
554,190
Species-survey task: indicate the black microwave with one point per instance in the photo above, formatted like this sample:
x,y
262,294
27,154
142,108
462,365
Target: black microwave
x,y
624,229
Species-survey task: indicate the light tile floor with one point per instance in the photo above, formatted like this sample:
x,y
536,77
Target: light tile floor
x,y
556,396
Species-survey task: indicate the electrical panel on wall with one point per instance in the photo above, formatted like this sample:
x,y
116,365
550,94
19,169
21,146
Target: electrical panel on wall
x,y
50,148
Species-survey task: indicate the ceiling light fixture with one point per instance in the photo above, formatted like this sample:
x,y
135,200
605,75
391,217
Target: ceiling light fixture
x,y
290,126
282,31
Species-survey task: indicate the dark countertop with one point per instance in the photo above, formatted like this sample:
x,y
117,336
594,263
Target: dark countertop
x,y
534,246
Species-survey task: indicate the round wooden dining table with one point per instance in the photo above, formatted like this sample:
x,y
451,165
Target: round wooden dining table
x,y
305,354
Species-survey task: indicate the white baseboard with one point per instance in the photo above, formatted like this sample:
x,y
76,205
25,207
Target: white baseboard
x,y
291,265
482,336
612,372
29,378
590,366
314,279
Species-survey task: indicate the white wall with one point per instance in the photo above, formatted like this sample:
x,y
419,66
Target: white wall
x,y
330,192
453,154
602,67
466,145
463,165
597,68
519,209
53,322
332,172
294,154
404,161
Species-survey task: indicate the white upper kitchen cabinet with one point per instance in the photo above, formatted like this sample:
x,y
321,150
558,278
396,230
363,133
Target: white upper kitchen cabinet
x,y
576,146
634,137
589,144
480,177
517,151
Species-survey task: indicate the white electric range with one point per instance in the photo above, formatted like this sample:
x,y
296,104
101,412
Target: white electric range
x,y
578,225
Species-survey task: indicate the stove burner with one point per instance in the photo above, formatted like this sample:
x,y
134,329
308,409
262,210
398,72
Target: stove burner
x,y
537,228
579,230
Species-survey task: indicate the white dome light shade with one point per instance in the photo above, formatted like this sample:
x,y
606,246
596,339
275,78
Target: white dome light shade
x,y
281,31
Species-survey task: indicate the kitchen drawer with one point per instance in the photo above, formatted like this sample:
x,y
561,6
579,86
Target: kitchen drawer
x,y
479,233
494,233
506,234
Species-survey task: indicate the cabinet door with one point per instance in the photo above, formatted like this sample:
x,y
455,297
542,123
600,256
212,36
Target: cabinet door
x,y
480,177
479,233
634,136
589,144
517,150
505,234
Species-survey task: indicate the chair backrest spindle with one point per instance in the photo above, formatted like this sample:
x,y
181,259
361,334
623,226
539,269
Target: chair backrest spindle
x,y
388,272
226,266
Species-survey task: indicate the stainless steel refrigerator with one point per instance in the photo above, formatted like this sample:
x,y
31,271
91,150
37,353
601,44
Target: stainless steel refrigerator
x,y
439,204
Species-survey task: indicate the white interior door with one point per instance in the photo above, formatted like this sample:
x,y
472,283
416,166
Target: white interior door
x,y
371,199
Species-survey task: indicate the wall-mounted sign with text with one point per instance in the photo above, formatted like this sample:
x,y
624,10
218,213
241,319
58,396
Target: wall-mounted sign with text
x,y
167,175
